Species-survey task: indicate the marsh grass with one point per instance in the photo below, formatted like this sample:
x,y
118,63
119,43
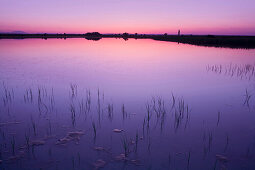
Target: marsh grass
x,y
188,162
88,100
1,151
110,111
247,98
218,120
27,139
13,145
85,106
210,138
98,104
8,95
180,110
33,151
173,101
149,114
215,164
28,96
246,71
125,145
144,122
33,126
39,97
79,158
227,143
94,129
158,106
52,100
82,107
154,110
162,122
3,135
73,163
136,141
207,140
124,112
169,160
42,93
149,145
74,91
73,113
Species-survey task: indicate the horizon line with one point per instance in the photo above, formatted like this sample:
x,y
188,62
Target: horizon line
x,y
22,32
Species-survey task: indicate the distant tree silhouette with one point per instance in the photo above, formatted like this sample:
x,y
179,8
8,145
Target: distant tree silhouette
x,y
136,36
179,32
165,34
125,34
94,34
45,36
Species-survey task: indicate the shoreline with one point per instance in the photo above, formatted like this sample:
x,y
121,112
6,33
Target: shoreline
x,y
225,41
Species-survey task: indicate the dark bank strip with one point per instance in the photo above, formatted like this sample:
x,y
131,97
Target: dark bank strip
x,y
245,42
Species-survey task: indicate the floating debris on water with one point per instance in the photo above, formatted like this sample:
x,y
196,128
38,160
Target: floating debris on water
x,y
99,164
22,147
37,142
135,162
14,158
9,123
69,137
76,134
222,158
117,130
120,157
99,148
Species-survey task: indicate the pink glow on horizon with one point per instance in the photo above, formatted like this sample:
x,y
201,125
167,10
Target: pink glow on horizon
x,y
115,16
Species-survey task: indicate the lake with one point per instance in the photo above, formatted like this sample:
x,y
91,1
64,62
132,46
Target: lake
x,y
116,104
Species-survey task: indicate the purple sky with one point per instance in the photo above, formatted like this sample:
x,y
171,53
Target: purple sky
x,y
117,16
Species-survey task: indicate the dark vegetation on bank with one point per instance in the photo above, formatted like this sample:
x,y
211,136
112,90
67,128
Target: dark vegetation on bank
x,y
247,42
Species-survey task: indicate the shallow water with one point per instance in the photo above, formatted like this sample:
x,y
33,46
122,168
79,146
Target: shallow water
x,y
200,103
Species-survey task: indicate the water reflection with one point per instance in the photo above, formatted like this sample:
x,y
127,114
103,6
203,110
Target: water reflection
x,y
115,104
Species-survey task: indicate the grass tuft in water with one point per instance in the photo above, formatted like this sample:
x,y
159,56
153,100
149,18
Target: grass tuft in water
x,y
94,129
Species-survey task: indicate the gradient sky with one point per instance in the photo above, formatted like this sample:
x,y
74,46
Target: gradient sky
x,y
118,16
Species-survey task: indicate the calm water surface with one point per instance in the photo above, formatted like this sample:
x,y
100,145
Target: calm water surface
x,y
172,106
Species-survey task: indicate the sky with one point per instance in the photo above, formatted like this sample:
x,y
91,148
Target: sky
x,y
230,17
